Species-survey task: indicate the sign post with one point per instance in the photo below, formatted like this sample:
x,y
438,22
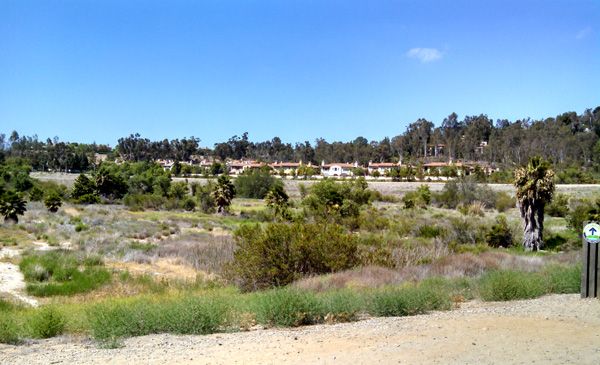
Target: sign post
x,y
590,279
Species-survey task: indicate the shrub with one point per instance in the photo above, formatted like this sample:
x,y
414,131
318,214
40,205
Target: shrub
x,y
189,204
418,198
287,307
332,201
279,253
143,201
9,330
510,285
47,322
52,201
558,207
255,184
178,190
204,194
408,301
581,211
36,194
504,201
500,234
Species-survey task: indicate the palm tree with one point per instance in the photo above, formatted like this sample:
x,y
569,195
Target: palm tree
x,y
535,187
223,193
278,200
12,206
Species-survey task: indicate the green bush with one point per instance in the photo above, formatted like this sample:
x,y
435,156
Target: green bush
x,y
332,201
499,234
204,195
9,330
287,307
558,207
418,198
510,285
582,210
47,322
143,201
504,201
255,184
36,194
280,253
52,201
408,301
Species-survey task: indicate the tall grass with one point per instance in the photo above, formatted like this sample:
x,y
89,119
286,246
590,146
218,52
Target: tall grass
x,y
111,321
408,301
62,273
225,309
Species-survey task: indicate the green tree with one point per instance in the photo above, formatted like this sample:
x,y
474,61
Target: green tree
x,y
12,206
84,190
110,184
255,184
535,188
223,194
52,201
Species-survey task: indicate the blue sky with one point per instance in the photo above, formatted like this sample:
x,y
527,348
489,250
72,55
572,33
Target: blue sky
x,y
98,70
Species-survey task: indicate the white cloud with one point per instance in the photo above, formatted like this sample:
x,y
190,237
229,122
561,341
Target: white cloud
x,y
583,33
424,54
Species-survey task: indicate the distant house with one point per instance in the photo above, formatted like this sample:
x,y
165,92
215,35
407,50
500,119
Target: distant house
x,y
382,168
238,167
337,169
288,168
167,165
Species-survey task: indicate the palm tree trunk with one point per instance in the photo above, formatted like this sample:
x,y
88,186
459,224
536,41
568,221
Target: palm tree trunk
x,y
532,213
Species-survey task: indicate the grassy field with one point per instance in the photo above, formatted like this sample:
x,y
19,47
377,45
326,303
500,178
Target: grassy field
x,y
104,271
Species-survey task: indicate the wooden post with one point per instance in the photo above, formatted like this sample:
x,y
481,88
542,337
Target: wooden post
x,y
590,279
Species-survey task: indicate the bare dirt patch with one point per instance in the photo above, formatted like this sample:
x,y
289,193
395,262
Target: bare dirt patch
x,y
557,329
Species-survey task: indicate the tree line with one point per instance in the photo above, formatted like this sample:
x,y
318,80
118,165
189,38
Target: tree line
x,y
569,139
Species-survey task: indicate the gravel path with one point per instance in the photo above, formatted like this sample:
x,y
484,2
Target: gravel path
x,y
556,329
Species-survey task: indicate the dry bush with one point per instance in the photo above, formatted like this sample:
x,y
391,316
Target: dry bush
x,y
203,251
362,277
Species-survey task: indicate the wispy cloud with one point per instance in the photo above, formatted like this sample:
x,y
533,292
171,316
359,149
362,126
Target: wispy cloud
x,y
425,55
583,33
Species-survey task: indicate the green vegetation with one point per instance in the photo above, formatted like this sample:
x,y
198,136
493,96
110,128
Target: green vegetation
x,y
280,253
255,184
12,206
61,273
220,310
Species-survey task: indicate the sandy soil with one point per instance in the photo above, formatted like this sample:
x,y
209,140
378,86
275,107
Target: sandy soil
x,y
557,329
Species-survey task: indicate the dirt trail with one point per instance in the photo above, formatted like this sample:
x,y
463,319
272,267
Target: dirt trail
x,y
557,329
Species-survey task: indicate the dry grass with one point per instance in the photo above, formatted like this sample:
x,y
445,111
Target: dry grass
x,y
452,266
